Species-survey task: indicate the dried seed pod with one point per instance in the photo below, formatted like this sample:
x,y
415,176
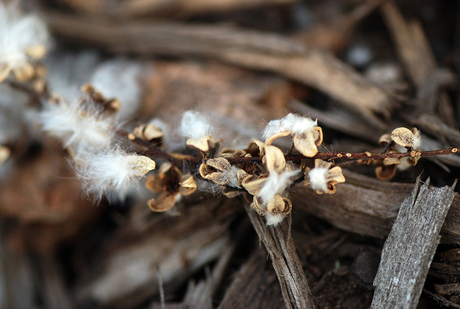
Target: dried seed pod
x,y
148,132
204,143
164,202
385,172
385,139
406,138
187,185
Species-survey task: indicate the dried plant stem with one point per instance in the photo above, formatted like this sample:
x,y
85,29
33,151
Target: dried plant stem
x,y
354,158
288,268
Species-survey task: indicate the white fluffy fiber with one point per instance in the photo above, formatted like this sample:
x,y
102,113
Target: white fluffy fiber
x,y
119,79
112,171
195,125
274,220
276,184
17,33
296,124
67,122
318,178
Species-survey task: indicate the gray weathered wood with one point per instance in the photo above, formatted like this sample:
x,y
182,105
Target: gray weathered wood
x,y
410,247
280,246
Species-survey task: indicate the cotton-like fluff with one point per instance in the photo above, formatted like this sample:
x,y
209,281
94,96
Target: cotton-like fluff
x,y
112,171
75,126
22,39
276,183
274,220
318,178
195,125
120,79
293,123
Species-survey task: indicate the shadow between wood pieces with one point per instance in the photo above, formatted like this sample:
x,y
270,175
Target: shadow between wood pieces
x,y
280,246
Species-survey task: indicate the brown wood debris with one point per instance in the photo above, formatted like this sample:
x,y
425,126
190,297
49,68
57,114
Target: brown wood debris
x,y
410,247
361,68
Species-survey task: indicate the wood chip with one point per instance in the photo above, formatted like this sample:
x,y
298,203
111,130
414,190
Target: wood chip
x,y
410,247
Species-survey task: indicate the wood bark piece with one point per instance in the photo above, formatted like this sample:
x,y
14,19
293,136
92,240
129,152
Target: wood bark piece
x,y
415,52
410,247
280,246
253,286
368,206
131,8
245,48
134,259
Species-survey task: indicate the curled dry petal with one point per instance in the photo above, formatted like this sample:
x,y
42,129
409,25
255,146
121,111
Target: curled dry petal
x,y
385,172
143,164
274,158
187,185
164,202
276,136
307,143
406,138
220,171
279,205
204,143
148,132
255,148
385,139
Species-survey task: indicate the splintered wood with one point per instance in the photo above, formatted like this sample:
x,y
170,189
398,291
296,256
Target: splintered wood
x,y
280,246
410,247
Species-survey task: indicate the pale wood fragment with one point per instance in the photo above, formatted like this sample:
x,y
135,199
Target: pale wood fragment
x,y
410,247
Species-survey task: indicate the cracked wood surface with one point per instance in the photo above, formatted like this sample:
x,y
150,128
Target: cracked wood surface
x,y
410,247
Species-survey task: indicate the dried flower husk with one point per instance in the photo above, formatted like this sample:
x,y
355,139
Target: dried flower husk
x,y
406,138
385,172
204,144
221,172
164,202
332,176
385,139
187,185
171,184
148,132
307,143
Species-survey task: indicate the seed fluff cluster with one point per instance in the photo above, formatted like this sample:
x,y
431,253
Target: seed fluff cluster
x,y
111,161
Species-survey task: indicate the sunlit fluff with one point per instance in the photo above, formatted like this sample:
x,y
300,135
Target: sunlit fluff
x,y
276,183
120,79
195,125
292,123
22,38
112,171
77,127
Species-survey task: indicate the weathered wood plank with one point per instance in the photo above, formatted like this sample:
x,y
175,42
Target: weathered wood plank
x,y
410,247
280,246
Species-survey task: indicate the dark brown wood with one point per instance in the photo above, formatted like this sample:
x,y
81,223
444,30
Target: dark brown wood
x,y
254,286
410,247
